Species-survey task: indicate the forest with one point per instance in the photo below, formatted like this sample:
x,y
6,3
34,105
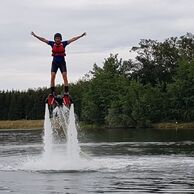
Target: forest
x,y
156,86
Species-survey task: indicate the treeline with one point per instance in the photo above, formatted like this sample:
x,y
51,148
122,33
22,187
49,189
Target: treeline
x,y
157,86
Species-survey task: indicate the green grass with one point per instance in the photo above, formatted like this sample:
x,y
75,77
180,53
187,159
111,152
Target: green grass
x,y
174,125
21,124
38,124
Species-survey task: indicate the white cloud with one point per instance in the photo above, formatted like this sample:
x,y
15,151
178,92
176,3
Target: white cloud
x,y
113,26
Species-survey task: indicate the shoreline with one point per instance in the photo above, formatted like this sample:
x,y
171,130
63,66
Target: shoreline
x,y
26,125
173,125
21,125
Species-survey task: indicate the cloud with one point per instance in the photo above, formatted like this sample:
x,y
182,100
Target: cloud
x,y
111,25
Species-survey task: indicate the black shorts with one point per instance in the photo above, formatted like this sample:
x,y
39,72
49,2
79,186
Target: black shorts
x,y
61,65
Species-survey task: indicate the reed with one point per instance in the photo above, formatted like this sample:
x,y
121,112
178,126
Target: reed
x,y
174,125
38,124
22,124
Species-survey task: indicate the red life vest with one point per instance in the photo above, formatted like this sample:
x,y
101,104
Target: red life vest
x,y
58,50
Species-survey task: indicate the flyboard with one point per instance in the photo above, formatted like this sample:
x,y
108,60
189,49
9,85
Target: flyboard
x,y
59,107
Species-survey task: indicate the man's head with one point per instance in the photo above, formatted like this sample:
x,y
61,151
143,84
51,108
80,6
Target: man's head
x,y
58,38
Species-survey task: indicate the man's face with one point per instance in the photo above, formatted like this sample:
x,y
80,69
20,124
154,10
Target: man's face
x,y
58,40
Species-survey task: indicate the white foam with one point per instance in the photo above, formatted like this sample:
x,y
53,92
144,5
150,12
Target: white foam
x,y
54,158
73,148
58,162
48,136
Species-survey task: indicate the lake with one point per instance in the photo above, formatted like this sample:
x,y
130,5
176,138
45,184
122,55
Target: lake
x,y
114,161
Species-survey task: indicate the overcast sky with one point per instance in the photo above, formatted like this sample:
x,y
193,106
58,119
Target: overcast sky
x,y
112,26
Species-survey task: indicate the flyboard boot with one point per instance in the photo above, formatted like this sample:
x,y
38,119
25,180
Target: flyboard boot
x,y
50,100
54,100
67,100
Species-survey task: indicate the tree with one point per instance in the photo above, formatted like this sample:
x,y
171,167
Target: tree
x,y
103,88
156,62
180,92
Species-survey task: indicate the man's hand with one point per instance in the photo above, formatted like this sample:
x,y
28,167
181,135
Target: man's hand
x,y
84,34
33,34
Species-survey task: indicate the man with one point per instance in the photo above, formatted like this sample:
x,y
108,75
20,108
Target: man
x,y
58,53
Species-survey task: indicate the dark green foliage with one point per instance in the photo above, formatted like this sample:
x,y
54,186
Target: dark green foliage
x,y
181,93
157,61
22,105
157,86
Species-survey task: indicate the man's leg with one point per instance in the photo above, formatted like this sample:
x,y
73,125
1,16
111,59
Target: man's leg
x,y
53,75
64,74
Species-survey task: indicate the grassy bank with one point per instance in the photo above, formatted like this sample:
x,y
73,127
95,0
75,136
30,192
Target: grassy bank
x,y
173,126
163,125
38,124
21,124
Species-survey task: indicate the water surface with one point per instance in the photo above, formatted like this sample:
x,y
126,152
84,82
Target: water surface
x,y
116,161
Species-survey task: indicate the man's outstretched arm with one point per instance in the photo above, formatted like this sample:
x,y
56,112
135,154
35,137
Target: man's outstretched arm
x,y
76,38
39,38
